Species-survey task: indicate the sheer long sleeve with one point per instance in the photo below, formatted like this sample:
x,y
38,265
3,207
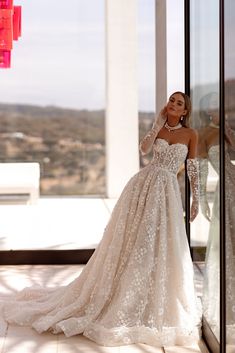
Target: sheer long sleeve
x,y
203,175
193,175
147,142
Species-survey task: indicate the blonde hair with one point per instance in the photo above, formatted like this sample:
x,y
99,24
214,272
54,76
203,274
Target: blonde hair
x,y
188,107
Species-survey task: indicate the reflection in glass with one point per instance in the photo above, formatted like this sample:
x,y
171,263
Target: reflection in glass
x,y
229,84
230,231
204,76
209,155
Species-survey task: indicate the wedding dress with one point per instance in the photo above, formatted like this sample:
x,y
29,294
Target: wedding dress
x,y
211,295
211,285
138,286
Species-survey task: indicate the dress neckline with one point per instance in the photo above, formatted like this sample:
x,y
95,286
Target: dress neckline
x,y
172,144
211,146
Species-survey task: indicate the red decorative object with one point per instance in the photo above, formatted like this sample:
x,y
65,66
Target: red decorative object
x,y
16,22
6,29
10,29
6,4
5,59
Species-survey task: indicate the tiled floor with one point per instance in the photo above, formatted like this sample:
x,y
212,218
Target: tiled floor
x,y
25,340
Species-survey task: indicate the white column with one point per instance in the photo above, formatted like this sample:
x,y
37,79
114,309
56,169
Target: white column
x,y
175,46
122,151
161,54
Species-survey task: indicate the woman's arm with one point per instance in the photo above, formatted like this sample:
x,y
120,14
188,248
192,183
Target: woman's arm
x,y
193,173
147,142
203,175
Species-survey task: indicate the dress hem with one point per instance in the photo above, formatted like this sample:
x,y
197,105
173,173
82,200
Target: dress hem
x,y
169,336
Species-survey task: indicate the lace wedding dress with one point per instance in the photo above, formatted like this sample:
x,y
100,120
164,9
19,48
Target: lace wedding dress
x,y
211,295
138,285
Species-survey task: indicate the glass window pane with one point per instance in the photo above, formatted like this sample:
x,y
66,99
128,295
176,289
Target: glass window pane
x,y
204,76
146,70
53,98
52,112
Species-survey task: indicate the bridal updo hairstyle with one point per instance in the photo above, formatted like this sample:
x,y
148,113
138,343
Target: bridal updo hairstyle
x,y
188,107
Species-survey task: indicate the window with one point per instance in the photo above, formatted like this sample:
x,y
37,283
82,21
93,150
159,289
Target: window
x,y
52,99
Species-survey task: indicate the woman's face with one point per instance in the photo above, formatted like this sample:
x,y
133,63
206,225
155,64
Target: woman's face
x,y
176,106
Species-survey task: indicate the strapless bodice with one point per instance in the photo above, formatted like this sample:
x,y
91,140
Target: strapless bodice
x,y
169,156
214,158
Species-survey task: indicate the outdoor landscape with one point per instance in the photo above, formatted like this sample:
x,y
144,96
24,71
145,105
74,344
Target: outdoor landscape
x,y
68,144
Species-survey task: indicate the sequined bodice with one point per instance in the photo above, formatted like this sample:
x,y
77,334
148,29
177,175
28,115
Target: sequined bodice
x,y
169,157
214,158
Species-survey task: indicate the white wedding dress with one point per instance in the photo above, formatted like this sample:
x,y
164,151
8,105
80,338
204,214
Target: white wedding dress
x,y
138,286
211,295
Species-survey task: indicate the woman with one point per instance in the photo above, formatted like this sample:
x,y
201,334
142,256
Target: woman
x,y
138,285
209,151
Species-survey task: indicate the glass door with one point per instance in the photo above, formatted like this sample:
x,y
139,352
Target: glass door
x,y
204,91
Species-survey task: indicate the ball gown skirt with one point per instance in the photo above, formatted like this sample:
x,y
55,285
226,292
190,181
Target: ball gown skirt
x,y
138,285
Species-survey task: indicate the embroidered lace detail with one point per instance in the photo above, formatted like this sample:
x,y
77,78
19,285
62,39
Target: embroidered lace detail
x,y
193,174
138,285
203,175
173,159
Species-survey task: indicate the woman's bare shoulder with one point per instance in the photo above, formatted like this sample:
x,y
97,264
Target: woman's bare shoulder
x,y
203,131
192,133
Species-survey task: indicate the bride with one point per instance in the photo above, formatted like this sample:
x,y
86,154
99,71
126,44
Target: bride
x,y
138,285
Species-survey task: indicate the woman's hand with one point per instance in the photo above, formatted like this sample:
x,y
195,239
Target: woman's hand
x,y
160,119
164,111
194,210
147,142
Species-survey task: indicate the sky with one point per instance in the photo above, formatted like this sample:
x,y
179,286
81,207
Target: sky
x,y
60,58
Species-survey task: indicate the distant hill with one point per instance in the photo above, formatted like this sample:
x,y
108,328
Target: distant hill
x,y
69,145
53,122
